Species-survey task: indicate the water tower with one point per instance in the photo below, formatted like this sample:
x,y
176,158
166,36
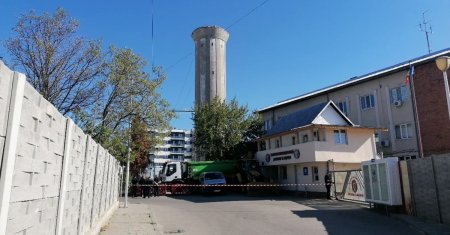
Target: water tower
x,y
210,63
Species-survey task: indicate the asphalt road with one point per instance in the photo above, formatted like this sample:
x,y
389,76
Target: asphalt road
x,y
237,214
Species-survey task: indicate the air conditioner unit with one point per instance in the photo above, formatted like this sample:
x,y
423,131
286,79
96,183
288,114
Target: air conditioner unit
x,y
398,103
385,143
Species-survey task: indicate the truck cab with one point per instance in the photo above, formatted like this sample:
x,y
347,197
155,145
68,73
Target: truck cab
x,y
172,172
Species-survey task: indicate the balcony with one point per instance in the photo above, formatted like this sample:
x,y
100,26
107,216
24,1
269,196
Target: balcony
x,y
177,137
318,151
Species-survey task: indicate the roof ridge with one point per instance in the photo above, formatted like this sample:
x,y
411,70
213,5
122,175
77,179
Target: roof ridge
x,y
355,79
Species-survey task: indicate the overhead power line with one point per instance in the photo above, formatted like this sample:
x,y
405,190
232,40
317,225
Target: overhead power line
x,y
228,27
246,15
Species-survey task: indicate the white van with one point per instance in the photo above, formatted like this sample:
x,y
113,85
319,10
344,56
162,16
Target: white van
x,y
212,182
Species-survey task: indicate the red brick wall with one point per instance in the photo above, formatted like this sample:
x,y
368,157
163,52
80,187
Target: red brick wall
x,y
432,109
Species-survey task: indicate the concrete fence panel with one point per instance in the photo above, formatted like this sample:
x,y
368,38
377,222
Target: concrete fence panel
x,y
74,181
442,172
54,179
104,191
423,187
87,196
38,162
98,181
5,97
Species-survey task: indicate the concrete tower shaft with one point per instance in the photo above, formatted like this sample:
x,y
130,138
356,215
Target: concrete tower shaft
x,y
210,63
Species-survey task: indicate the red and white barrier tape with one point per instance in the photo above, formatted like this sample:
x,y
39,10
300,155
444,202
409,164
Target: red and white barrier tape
x,y
226,185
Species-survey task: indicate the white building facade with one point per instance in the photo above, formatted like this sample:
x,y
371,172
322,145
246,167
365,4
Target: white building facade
x,y
176,146
304,146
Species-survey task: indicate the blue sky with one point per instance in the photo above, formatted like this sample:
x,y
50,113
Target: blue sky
x,y
283,49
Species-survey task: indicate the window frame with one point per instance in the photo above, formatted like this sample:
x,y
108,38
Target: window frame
x,y
367,101
343,107
305,138
283,172
340,136
401,128
315,173
401,94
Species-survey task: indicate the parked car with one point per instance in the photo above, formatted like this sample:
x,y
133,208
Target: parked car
x,y
212,182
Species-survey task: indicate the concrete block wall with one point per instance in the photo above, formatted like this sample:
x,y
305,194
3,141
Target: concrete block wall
x,y
54,179
74,180
424,190
442,166
5,96
87,194
430,188
38,162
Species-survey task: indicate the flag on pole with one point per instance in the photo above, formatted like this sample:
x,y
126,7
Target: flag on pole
x,y
409,75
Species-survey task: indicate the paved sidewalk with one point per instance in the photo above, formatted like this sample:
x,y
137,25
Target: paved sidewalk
x,y
136,219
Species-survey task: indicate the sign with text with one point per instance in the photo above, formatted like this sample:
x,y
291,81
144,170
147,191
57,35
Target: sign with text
x,y
355,186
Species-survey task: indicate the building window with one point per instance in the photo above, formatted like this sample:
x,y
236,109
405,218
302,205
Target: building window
x,y
305,138
377,137
403,131
316,135
293,140
340,137
277,143
267,125
367,102
283,172
315,173
399,94
262,145
171,169
343,107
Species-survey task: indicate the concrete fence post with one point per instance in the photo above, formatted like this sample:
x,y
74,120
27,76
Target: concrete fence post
x,y
94,187
83,182
9,151
104,188
63,185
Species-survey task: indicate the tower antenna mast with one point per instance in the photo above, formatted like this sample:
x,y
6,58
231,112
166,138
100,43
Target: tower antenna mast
x,y
425,27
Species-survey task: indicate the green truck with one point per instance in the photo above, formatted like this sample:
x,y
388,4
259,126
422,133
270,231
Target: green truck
x,y
188,173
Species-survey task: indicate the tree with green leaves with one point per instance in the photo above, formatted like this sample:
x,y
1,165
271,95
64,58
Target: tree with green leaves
x,y
224,131
64,67
128,94
102,92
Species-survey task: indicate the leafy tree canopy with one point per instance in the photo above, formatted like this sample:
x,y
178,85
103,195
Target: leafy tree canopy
x,y
64,67
102,91
225,131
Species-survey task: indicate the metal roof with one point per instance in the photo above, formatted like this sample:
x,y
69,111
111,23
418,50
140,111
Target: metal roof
x,y
360,79
302,118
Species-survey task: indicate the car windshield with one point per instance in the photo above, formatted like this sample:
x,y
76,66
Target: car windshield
x,y
213,176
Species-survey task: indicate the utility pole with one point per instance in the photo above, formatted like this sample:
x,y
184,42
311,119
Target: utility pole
x,y
426,28
127,176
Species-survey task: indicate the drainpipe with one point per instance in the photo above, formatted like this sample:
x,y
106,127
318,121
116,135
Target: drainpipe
x,y
416,115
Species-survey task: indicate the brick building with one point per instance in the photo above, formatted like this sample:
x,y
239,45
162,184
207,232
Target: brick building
x,y
433,119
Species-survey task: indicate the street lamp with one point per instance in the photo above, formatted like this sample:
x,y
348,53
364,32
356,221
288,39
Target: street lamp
x,y
443,63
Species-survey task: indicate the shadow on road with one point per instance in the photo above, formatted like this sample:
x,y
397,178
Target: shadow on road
x,y
197,198
337,222
338,217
